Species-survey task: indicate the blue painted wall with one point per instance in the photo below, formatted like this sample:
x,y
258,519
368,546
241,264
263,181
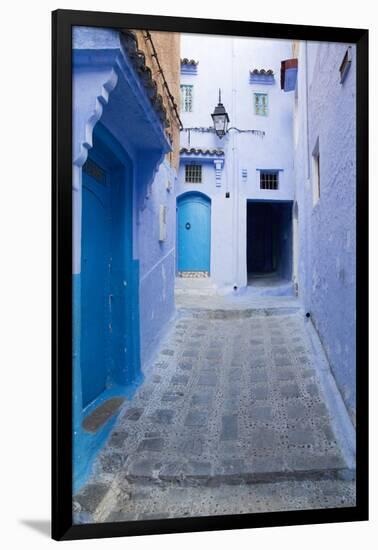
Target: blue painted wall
x,y
321,110
327,234
157,262
138,288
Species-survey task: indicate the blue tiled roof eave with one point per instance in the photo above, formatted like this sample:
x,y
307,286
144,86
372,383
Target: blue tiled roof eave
x,y
196,154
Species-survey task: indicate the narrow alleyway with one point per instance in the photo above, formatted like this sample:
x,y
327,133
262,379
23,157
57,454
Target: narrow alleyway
x,y
231,418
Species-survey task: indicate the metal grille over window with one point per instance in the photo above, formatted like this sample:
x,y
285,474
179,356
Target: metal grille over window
x,y
261,104
186,98
269,180
193,173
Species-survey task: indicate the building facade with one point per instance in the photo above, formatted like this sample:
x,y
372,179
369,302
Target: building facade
x,y
282,203
324,129
273,199
125,134
239,188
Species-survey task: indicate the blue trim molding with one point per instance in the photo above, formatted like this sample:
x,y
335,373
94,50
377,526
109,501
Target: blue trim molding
x,y
270,170
218,164
205,156
109,69
261,76
118,115
189,66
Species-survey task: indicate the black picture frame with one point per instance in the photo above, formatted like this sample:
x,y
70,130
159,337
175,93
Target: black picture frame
x,y
62,522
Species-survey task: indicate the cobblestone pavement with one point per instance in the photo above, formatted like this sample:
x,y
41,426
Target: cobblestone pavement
x,y
229,419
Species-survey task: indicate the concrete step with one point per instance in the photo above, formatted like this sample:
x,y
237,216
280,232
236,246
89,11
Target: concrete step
x,y
241,299
94,502
194,287
286,289
243,313
122,500
194,474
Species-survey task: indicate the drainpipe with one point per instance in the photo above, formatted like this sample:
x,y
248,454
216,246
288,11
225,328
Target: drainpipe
x,y
307,123
305,217
235,179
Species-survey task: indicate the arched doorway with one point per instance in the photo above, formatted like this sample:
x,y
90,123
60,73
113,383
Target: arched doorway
x,y
193,233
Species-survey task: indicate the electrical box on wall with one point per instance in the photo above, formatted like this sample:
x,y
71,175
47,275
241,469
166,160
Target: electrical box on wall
x,y
168,185
162,223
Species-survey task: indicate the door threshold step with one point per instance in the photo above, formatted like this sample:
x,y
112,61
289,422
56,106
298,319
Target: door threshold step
x,y
101,414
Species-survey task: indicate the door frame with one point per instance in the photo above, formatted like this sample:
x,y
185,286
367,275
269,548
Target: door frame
x,y
180,198
271,201
110,151
95,156
86,444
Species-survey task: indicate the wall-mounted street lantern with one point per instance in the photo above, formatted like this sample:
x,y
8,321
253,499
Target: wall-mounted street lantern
x,y
220,124
220,118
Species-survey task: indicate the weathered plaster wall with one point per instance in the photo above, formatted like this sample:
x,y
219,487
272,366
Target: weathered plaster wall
x,y
157,261
225,63
327,238
167,45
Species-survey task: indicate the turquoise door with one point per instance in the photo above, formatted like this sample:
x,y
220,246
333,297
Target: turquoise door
x,y
95,279
109,340
193,232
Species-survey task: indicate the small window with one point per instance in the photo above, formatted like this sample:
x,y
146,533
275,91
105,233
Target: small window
x,y
269,180
186,98
316,174
261,104
193,173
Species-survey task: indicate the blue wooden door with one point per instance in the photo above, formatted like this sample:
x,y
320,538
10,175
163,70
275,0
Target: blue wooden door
x,y
95,279
194,215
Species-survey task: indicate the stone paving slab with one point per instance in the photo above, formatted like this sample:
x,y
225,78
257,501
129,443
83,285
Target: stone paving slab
x,y
229,400
155,502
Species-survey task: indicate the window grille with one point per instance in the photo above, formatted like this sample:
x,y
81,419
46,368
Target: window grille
x,y
186,98
193,173
269,180
261,104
